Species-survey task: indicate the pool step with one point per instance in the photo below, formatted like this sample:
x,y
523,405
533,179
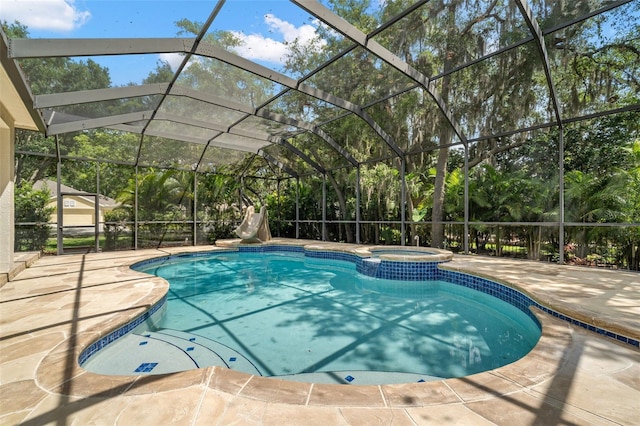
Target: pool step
x,y
230,357
165,351
139,354
202,356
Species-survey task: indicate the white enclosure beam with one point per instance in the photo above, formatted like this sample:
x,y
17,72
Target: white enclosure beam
x,y
96,123
98,95
334,21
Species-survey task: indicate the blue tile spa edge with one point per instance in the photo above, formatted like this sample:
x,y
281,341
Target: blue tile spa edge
x,y
393,270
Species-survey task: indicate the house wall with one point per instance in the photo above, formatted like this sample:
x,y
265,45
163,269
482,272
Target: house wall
x,y
82,214
6,192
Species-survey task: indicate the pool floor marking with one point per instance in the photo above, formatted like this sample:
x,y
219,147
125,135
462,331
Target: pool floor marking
x,y
146,367
236,361
201,355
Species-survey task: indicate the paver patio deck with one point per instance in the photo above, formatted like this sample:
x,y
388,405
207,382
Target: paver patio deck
x,y
50,311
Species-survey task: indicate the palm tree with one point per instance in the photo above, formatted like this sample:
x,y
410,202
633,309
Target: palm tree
x,y
162,197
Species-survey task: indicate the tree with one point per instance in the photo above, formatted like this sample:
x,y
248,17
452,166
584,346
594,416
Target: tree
x,y
216,211
598,190
628,180
53,75
164,202
32,217
162,195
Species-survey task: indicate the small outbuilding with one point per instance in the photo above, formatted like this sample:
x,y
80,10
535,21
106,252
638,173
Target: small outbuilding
x,y
78,208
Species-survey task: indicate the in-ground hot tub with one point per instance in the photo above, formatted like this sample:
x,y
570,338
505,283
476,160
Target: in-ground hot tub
x,y
401,262
406,253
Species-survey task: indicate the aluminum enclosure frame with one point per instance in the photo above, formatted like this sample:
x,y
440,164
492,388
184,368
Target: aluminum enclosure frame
x,y
50,48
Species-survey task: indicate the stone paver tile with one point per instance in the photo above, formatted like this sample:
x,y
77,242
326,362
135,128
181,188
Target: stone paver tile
x,y
177,407
98,411
346,395
20,396
552,349
482,386
453,414
238,411
212,406
419,394
629,376
599,394
57,369
276,390
16,418
229,381
376,416
20,369
85,411
528,371
525,409
13,324
154,383
56,409
94,385
600,356
284,415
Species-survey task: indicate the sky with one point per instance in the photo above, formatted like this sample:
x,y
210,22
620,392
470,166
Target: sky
x,y
264,26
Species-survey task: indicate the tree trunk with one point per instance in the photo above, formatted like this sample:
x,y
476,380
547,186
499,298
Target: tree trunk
x,y
534,243
437,229
413,228
379,218
343,207
498,237
446,133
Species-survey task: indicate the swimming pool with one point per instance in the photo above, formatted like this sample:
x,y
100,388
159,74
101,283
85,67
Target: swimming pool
x,y
292,315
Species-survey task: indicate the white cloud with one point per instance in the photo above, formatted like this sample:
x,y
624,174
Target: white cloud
x,y
305,33
173,59
258,47
51,15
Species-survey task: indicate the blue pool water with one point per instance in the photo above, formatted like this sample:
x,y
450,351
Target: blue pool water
x,y
291,314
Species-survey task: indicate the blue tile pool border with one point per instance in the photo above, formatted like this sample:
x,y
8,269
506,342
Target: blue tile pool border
x,y
393,270
105,341
523,302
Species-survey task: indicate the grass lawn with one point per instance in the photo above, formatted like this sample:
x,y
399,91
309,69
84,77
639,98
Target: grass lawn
x,y
73,242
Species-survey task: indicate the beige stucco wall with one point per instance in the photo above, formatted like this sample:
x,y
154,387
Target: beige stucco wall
x,y
15,112
7,133
80,215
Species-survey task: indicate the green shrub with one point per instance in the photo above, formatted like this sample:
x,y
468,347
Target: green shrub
x,y
32,218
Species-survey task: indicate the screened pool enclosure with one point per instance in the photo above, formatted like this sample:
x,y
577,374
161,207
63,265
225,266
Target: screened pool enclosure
x,y
500,127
